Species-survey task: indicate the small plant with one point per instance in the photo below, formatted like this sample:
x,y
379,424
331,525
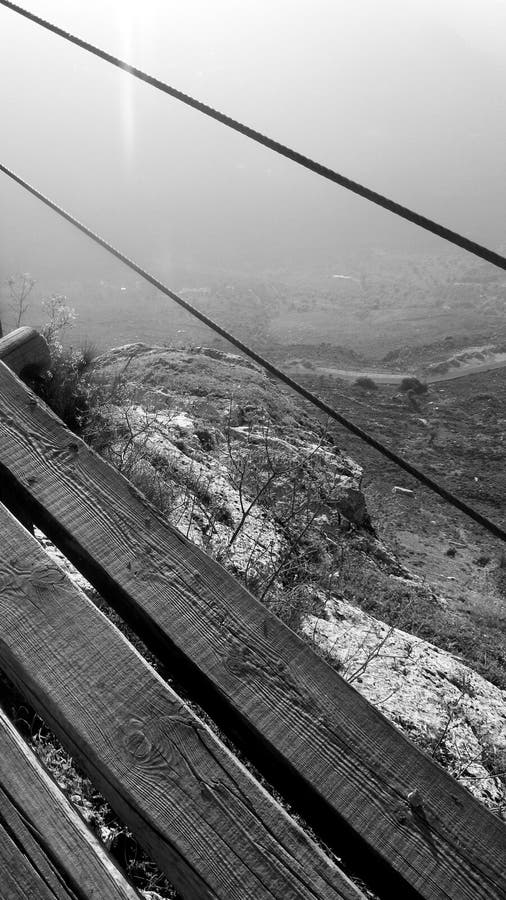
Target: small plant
x,y
60,317
65,387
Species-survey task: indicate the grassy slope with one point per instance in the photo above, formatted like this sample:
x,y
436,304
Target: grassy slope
x,y
457,436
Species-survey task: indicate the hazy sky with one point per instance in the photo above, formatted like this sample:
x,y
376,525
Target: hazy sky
x,y
407,96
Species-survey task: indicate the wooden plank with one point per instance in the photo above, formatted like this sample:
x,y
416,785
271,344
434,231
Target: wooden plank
x,y
25,348
52,841
211,827
20,880
337,758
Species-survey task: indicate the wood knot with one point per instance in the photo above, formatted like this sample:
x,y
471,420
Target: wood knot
x,y
236,665
66,454
137,745
206,794
415,801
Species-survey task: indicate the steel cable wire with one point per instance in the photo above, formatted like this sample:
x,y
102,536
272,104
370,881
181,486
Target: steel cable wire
x,y
323,171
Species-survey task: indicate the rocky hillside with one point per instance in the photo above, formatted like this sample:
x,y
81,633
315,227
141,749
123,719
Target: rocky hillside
x,y
245,473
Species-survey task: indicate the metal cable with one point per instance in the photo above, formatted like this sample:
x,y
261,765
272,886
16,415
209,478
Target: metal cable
x,y
320,404
428,224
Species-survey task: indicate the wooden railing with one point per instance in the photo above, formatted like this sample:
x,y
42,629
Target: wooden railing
x,y
367,792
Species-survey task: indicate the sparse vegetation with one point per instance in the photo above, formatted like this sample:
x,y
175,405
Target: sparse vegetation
x,y
64,387
415,609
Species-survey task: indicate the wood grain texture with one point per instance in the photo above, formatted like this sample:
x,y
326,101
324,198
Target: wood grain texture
x,y
49,833
24,348
19,879
336,756
211,827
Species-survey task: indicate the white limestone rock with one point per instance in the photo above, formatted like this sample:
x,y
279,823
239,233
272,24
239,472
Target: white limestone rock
x,y
445,707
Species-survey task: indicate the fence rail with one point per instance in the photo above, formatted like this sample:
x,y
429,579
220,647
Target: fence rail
x,y
46,850
197,811
331,754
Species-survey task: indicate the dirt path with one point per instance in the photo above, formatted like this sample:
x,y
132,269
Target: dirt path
x,y
473,367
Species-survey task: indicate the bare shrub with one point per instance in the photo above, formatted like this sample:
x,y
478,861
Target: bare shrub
x,y
20,288
65,387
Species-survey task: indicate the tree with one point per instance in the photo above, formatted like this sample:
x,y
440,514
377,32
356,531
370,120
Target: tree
x,y
20,288
366,383
413,384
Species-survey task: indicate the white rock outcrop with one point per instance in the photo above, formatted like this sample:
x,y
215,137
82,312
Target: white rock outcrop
x,y
445,707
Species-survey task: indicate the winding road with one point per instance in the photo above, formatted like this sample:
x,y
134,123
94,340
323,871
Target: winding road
x,y
456,370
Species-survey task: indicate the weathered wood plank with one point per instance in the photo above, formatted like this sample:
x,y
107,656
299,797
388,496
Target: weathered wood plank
x,y
19,879
25,348
212,828
336,757
51,837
